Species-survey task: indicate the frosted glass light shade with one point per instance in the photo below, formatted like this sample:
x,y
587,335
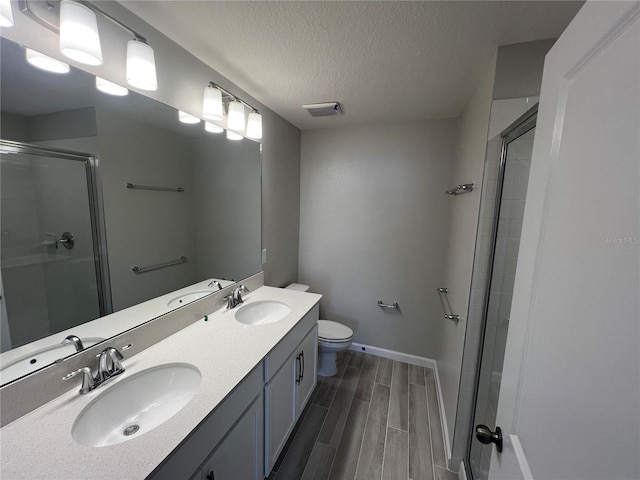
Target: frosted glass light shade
x,y
105,86
184,117
254,125
236,116
212,104
79,38
210,127
233,135
141,66
45,62
6,15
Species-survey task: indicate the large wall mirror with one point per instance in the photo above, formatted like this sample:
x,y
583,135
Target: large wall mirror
x,y
72,231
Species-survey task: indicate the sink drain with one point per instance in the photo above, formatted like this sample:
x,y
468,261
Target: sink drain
x,y
131,429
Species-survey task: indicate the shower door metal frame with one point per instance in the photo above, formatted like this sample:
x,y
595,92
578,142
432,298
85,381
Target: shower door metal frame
x,y
519,127
96,211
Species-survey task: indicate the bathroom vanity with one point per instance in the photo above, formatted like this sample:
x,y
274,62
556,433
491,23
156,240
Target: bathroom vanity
x,y
255,381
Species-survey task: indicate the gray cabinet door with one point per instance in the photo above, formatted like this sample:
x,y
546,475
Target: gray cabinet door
x,y
308,354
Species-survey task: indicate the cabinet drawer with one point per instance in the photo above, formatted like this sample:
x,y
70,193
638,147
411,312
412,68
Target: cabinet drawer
x,y
282,351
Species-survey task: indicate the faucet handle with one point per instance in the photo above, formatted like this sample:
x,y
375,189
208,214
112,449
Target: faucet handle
x,y
88,382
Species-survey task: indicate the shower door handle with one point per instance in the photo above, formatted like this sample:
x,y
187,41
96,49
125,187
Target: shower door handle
x,y
486,436
66,240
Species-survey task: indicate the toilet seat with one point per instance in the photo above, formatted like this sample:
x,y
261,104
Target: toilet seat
x,y
333,332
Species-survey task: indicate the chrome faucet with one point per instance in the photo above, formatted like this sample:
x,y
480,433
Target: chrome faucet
x,y
75,341
109,366
216,283
235,298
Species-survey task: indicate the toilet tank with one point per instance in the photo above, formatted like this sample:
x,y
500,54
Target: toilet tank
x,y
300,287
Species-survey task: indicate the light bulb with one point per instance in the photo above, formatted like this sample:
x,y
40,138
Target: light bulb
x,y
186,118
210,127
233,135
236,116
6,15
254,125
212,104
141,66
45,62
79,38
105,86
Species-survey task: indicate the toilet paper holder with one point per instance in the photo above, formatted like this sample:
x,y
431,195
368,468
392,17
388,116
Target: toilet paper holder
x,y
392,306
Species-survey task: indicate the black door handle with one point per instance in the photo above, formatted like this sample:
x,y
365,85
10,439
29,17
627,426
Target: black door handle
x,y
486,436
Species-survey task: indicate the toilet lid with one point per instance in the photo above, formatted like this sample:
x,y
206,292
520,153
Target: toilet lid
x,y
328,330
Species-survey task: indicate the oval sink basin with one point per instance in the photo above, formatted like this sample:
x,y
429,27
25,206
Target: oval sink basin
x,y
262,312
136,405
188,298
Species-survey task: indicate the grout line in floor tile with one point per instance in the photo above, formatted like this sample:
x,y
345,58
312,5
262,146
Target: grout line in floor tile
x,y
386,430
365,429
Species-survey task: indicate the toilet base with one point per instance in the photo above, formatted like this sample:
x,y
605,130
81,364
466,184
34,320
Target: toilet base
x,y
327,363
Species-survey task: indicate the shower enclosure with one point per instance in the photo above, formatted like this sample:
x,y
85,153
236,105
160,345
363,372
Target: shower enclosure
x,y
53,255
502,205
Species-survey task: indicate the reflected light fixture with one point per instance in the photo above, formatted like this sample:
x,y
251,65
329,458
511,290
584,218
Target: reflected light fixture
x,y
236,116
212,128
6,15
105,86
233,135
79,38
254,125
141,65
186,118
212,107
45,62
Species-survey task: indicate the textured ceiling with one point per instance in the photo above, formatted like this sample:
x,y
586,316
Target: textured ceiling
x,y
383,61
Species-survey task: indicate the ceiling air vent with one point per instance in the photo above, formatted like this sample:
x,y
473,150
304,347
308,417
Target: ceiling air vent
x,y
323,109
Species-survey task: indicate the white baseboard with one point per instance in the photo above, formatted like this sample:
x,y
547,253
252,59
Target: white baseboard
x,y
414,360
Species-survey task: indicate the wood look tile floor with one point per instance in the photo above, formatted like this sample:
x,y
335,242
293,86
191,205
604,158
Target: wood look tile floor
x,y
377,419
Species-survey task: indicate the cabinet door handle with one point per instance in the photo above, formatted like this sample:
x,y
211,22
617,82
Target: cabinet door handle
x,y
302,366
299,365
211,475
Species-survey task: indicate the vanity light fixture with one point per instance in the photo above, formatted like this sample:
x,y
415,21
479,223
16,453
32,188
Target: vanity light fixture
x,y
212,128
76,23
44,62
79,38
236,116
254,125
141,65
212,107
105,86
184,117
6,15
233,135
236,112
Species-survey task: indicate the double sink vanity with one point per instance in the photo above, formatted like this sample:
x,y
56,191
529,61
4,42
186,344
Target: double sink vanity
x,y
217,399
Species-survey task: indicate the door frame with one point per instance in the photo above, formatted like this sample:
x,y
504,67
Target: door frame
x,y
96,210
518,127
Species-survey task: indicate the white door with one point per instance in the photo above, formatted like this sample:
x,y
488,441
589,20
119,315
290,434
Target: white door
x,y
569,404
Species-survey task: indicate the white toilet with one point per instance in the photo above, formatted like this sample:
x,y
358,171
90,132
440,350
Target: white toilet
x,y
333,337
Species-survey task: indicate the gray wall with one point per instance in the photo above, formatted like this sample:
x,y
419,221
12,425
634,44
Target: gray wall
x,y
145,227
519,69
373,223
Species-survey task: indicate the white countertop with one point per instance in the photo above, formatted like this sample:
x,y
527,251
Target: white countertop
x,y
39,444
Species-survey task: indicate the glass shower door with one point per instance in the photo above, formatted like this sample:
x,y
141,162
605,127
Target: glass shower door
x,y
517,146
51,273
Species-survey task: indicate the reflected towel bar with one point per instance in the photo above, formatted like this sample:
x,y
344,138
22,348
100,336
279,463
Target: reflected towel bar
x,y
446,306
151,187
460,189
138,269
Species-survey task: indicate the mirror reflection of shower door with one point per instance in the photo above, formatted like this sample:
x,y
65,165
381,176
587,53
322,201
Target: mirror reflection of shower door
x,y
515,163
50,247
